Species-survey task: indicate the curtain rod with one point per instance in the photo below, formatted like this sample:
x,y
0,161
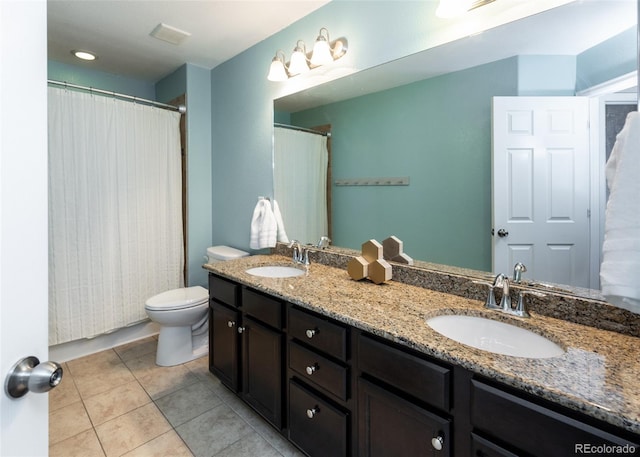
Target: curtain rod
x,y
302,129
182,109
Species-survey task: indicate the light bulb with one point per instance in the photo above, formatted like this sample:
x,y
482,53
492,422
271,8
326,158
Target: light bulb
x,y
277,71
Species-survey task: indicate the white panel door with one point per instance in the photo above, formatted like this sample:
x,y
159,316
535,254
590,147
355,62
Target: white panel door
x,y
541,187
23,218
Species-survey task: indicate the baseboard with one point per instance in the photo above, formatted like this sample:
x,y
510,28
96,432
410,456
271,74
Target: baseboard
x,y
80,348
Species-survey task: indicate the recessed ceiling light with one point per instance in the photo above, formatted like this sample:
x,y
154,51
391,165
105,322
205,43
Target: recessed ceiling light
x,y
84,55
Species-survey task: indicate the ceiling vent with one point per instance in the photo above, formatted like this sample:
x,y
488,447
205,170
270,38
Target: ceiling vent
x,y
169,34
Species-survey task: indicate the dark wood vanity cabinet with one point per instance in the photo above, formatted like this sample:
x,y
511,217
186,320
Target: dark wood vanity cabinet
x,y
337,391
246,345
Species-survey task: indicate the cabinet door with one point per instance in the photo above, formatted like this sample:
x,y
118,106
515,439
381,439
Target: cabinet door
x,y
389,425
223,344
317,426
262,370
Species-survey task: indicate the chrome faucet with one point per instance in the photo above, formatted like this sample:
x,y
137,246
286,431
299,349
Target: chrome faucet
x,y
300,254
518,269
324,242
505,302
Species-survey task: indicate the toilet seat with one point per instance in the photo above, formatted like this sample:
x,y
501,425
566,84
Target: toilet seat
x,y
186,297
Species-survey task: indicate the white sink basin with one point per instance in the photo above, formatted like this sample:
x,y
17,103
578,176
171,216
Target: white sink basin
x,y
275,271
495,336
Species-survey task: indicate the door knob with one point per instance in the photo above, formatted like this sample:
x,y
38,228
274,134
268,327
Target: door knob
x,y
29,375
502,233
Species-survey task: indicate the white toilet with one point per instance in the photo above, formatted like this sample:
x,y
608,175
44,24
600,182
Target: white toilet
x,y
183,315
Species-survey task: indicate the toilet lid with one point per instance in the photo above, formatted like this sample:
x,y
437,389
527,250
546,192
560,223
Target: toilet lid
x,y
185,297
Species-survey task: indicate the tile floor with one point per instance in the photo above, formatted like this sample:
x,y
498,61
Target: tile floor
x,y
119,402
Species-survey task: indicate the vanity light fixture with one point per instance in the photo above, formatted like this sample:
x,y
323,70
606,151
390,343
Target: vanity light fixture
x,y
324,52
84,55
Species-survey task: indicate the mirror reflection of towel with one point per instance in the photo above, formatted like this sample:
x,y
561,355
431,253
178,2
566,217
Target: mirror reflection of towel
x,y
263,226
620,269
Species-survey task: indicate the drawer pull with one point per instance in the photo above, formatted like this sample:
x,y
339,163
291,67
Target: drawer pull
x,y
437,443
230,324
312,412
312,369
311,333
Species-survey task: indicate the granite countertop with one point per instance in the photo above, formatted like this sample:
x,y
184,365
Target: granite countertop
x,y
597,375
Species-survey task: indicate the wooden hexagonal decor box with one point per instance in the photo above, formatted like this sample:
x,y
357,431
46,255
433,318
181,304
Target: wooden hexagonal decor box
x,y
380,271
358,268
372,250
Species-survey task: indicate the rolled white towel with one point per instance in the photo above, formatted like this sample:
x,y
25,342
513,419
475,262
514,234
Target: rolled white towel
x,y
282,233
263,226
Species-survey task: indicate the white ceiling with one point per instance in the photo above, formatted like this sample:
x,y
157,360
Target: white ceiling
x,y
118,31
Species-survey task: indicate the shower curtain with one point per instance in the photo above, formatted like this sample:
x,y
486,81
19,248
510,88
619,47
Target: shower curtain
x,y
115,212
300,183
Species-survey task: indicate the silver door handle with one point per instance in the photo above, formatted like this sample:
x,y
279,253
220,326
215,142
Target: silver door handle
x,y
29,375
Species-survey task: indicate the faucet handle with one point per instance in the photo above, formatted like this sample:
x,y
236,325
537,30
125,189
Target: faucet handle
x,y
521,307
490,303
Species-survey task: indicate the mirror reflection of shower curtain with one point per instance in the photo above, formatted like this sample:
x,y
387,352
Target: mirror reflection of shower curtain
x,y
300,183
115,212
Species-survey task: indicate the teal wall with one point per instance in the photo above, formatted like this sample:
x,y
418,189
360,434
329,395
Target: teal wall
x,y
231,115
100,80
611,59
195,82
546,75
456,164
437,132
242,98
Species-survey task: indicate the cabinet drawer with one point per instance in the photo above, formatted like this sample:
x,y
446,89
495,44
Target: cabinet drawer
x,y
321,333
420,378
316,426
317,369
223,290
262,307
521,424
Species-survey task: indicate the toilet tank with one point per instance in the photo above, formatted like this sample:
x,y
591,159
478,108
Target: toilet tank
x,y
222,253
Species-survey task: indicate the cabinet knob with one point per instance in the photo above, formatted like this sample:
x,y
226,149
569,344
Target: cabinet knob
x,y
312,369
437,443
230,324
241,329
312,412
311,333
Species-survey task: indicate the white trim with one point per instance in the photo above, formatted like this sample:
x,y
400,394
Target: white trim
x,y
79,348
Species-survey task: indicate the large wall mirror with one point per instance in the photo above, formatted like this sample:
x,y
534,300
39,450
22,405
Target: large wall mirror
x,y
427,118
